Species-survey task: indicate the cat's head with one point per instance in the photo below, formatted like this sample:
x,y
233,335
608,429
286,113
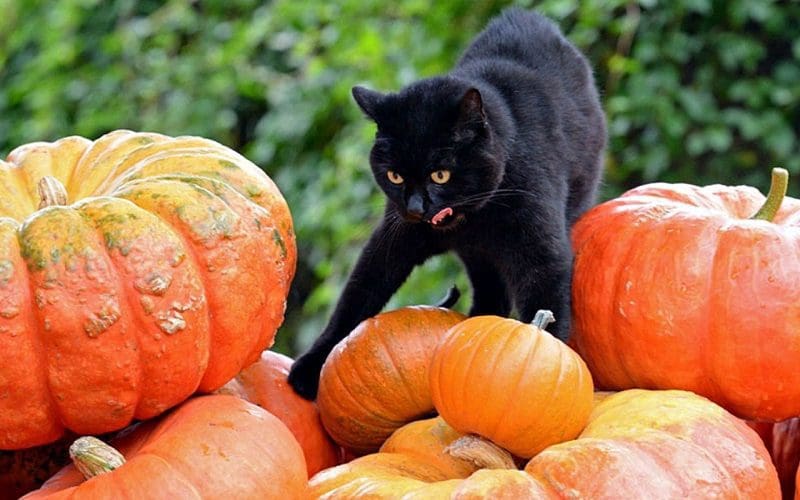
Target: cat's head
x,y
435,155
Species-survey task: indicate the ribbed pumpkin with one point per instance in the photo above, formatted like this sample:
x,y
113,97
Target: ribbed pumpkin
x,y
510,382
659,444
376,379
264,383
134,270
680,287
216,446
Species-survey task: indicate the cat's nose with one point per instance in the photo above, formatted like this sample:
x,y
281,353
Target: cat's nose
x,y
415,207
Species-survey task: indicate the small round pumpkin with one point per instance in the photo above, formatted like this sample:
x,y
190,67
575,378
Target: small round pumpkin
x,y
376,379
265,383
134,270
678,286
216,446
512,383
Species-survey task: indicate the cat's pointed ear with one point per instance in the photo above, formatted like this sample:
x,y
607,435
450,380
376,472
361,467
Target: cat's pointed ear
x,y
368,100
471,122
470,109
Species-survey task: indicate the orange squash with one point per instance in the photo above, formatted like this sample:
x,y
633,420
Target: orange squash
x,y
681,287
134,270
376,379
512,383
264,383
216,446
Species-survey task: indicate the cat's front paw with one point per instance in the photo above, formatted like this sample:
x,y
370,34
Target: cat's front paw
x,y
304,376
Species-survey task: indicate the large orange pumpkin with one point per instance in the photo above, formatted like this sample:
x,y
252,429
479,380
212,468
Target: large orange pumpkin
x,y
216,446
376,379
510,382
265,384
677,286
134,270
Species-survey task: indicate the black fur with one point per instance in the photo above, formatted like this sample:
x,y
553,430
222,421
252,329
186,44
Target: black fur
x,y
519,126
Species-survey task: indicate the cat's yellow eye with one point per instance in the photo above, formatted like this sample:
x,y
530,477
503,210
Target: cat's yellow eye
x,y
394,177
440,176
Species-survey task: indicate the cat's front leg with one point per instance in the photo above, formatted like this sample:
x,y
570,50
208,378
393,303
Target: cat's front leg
x,y
489,290
385,262
543,281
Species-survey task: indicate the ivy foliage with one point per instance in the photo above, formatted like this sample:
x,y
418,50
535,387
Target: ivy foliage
x,y
699,91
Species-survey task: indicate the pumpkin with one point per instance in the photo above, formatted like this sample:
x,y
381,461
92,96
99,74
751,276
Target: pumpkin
x,y
424,459
510,382
265,383
659,444
134,270
782,439
637,444
216,446
677,286
376,379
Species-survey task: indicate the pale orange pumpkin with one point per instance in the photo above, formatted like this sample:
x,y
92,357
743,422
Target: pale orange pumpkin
x,y
216,446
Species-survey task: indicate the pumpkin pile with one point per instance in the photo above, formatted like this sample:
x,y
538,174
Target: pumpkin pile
x,y
143,279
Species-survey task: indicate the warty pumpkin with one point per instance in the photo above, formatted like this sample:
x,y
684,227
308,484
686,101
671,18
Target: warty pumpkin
x,y
376,379
510,382
265,383
134,270
215,446
678,286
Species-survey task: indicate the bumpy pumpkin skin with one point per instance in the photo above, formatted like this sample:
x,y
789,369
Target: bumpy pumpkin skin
x,y
675,288
216,446
164,274
659,444
265,383
376,379
511,383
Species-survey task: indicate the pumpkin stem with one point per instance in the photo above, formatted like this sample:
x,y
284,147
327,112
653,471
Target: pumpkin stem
x,y
451,298
543,318
777,191
480,452
93,457
51,192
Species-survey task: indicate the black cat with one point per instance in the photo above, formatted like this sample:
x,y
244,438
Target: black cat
x,y
494,161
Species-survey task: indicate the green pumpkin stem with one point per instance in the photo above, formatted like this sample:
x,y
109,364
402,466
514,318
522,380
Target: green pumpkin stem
x,y
543,318
777,191
51,192
93,457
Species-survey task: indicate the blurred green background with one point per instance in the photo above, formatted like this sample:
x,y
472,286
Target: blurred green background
x,y
699,91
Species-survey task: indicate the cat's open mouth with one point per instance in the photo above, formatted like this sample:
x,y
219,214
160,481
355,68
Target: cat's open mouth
x,y
445,218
